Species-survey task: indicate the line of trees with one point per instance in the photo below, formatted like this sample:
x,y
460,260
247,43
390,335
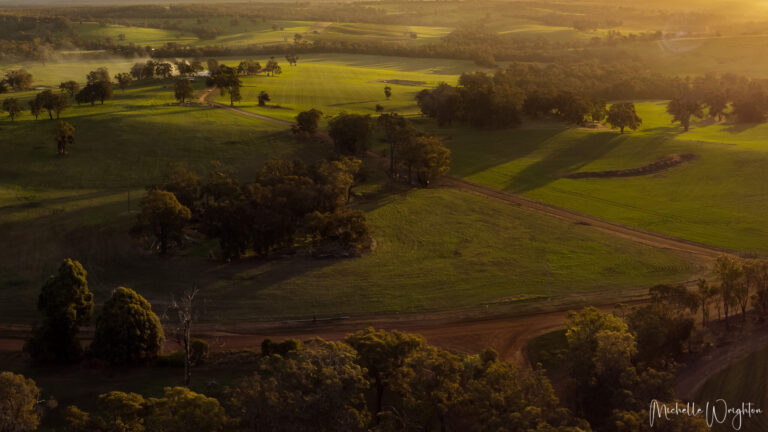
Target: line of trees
x,y
387,380
393,381
98,87
499,99
718,97
373,380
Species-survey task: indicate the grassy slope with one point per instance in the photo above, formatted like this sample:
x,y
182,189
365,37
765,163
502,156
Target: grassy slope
x,y
739,54
244,33
479,251
137,35
743,381
720,198
53,73
53,207
381,32
437,249
335,83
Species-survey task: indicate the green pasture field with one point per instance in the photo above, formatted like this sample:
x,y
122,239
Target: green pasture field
x,y
382,32
740,382
335,83
437,249
720,198
136,35
52,73
739,54
52,207
550,32
245,32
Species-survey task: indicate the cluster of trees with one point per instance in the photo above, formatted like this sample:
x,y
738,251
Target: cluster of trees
x,y
227,80
98,87
393,381
16,80
420,155
127,331
413,151
388,380
289,204
373,380
741,282
178,410
162,69
501,99
712,95
617,366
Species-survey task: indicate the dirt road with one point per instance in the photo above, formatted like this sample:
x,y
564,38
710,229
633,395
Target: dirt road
x,y
630,233
205,100
626,232
509,335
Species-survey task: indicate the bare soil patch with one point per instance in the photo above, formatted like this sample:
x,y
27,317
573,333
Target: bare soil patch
x,y
403,82
660,165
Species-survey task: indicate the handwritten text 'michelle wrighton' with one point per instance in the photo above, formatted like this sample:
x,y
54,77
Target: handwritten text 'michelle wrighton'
x,y
714,412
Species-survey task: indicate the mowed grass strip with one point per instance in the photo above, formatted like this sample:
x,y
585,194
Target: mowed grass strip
x,y
720,198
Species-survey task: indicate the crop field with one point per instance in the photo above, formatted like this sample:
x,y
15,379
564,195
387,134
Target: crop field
x,y
720,198
351,83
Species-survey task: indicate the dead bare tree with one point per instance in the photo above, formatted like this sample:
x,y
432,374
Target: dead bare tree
x,y
185,311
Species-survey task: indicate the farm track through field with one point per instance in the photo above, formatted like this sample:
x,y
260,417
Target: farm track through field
x,y
509,335
644,237
204,100
637,235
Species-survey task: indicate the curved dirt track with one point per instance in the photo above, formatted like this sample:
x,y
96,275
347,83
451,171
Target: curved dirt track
x,y
508,334
204,100
638,235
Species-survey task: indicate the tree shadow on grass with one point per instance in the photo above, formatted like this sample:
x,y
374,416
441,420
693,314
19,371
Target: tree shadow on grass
x,y
35,247
565,159
481,150
737,128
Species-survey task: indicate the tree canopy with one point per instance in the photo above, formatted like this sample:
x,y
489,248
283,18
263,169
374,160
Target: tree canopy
x,y
66,303
127,331
19,397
